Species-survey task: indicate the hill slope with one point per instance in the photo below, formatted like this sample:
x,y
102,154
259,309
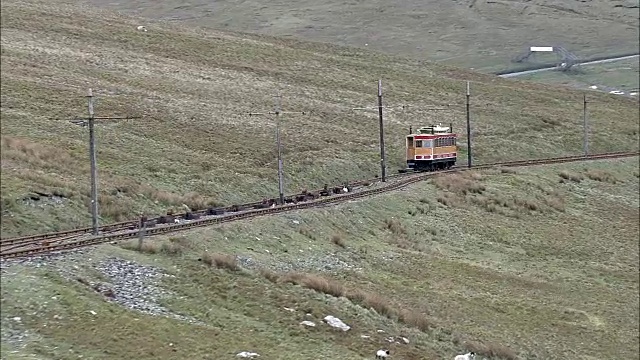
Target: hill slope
x,y
531,263
479,34
192,87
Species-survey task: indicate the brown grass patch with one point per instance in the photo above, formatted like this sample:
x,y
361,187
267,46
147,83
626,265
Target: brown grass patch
x,y
418,210
112,207
506,170
401,242
570,176
338,239
315,282
17,148
308,232
377,302
395,226
456,187
172,247
415,319
220,261
270,275
555,202
461,183
400,237
448,199
601,176
491,350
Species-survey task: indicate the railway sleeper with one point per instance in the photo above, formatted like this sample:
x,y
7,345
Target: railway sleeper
x,y
151,223
166,219
191,216
213,211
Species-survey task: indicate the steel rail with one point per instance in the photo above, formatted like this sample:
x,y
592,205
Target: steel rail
x,y
402,182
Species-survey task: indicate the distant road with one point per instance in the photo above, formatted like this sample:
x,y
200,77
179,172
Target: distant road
x,y
518,73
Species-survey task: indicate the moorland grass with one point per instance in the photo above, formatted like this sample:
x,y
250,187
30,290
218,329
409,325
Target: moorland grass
x,y
195,144
525,280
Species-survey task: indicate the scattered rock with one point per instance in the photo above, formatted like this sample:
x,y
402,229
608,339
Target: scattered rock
x,y
134,286
390,339
336,323
247,262
324,263
308,323
247,354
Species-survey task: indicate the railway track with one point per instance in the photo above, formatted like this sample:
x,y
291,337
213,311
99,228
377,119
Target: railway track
x,y
52,237
70,239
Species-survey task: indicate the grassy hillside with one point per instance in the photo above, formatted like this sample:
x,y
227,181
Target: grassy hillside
x,y
196,145
480,34
535,263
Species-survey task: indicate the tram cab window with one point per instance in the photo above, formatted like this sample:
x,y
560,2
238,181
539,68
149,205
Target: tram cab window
x,y
428,143
410,142
418,143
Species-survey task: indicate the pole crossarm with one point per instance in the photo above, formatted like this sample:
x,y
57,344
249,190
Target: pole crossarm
x,y
90,121
85,121
404,107
279,112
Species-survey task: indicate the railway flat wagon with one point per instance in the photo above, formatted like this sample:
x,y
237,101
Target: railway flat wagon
x,y
431,148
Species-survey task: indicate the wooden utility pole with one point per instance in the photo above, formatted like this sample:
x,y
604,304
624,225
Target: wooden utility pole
x,y
383,162
279,145
277,112
94,167
585,125
142,228
468,127
90,121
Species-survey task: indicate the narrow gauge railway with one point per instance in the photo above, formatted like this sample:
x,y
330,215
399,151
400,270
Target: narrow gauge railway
x,y
64,241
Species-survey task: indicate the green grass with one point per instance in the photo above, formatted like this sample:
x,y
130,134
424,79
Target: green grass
x,y
535,262
195,145
484,35
619,75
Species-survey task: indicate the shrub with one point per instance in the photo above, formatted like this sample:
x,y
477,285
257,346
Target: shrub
x,y
395,227
221,261
602,176
338,240
566,175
